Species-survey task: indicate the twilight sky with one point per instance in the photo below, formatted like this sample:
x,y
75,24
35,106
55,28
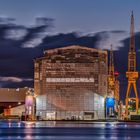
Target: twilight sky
x,y
77,15
27,27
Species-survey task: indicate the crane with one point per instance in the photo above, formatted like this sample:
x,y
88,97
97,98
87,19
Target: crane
x,y
132,74
113,83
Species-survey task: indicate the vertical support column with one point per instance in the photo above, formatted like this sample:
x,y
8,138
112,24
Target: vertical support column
x,y
136,94
127,94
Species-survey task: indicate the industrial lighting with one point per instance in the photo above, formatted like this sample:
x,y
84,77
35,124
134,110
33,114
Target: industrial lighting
x,y
19,103
116,73
102,100
110,102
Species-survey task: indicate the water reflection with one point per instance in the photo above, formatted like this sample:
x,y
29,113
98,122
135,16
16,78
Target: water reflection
x,y
68,130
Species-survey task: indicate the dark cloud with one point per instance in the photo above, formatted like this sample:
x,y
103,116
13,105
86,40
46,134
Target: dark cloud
x,y
6,20
15,60
43,21
118,31
18,49
72,38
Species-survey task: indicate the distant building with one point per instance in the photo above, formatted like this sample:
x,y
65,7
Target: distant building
x,y
71,83
12,100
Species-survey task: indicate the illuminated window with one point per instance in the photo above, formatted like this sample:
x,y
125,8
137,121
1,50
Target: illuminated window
x,y
40,75
36,75
36,65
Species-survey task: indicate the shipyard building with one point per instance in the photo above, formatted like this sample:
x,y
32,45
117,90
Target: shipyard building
x,y
70,83
12,101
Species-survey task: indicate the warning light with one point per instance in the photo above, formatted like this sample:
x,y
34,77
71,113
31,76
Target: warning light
x,y
116,74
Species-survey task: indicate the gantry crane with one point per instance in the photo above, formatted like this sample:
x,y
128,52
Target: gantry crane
x,y
111,76
132,74
113,83
113,88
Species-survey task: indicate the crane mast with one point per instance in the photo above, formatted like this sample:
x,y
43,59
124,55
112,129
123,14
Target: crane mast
x,y
132,74
111,66
111,79
113,83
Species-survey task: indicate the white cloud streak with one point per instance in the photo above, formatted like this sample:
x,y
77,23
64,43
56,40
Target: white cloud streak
x,y
108,38
34,42
15,34
14,79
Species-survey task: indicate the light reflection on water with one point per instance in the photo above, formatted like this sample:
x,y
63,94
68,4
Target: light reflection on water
x,y
51,124
52,130
67,138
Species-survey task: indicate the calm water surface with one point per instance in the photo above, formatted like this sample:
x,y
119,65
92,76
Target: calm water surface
x,y
51,130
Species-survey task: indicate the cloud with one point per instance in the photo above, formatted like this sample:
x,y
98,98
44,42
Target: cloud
x,y
17,33
44,21
14,79
111,37
6,20
33,42
66,39
29,36
36,34
19,45
16,61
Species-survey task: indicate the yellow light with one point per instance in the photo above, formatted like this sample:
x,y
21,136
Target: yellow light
x,y
19,103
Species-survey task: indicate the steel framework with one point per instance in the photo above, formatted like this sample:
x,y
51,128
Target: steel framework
x,y
132,74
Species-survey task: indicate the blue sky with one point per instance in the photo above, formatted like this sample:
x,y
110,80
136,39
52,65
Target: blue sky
x,y
75,15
